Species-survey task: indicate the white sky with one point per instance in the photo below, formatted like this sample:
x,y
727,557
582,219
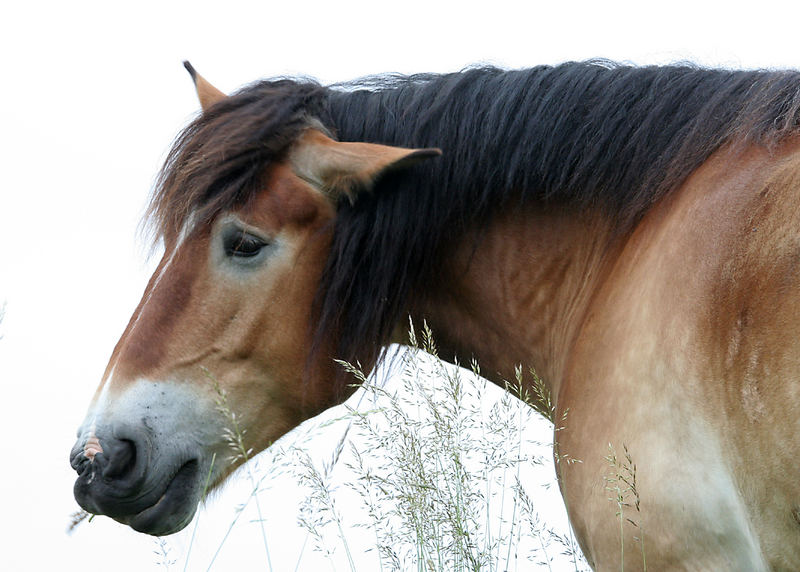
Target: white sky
x,y
92,97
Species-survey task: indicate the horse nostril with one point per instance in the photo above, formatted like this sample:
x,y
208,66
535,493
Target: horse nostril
x,y
121,458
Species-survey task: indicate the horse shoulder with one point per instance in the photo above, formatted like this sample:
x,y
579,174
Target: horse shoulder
x,y
687,360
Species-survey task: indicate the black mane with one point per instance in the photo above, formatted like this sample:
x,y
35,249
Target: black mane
x,y
591,135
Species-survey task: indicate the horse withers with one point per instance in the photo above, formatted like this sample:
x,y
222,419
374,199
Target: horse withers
x,y
629,232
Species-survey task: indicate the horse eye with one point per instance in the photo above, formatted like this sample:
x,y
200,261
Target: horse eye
x,y
240,244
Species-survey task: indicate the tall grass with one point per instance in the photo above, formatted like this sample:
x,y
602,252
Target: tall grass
x,y
622,486
442,479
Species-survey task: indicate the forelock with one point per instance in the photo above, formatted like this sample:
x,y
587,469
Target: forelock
x,y
218,161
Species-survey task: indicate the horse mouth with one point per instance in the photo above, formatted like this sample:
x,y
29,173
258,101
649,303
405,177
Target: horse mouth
x,y
174,509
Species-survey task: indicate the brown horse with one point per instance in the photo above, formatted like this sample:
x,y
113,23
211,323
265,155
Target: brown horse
x,y
632,233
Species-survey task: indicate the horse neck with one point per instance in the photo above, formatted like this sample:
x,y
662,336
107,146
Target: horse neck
x,y
515,292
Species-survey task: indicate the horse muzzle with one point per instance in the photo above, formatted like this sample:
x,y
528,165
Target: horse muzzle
x,y
117,478
141,456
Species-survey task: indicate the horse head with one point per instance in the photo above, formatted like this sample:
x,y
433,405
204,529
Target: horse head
x,y
219,348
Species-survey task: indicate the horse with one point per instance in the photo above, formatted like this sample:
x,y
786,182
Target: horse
x,y
632,233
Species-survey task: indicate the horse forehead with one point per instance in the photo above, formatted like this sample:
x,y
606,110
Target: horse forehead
x,y
284,199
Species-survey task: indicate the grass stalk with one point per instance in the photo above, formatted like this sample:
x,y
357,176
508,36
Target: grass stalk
x,y
197,518
235,437
621,483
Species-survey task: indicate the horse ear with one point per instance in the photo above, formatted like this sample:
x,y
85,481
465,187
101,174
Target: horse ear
x,y
346,168
206,93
